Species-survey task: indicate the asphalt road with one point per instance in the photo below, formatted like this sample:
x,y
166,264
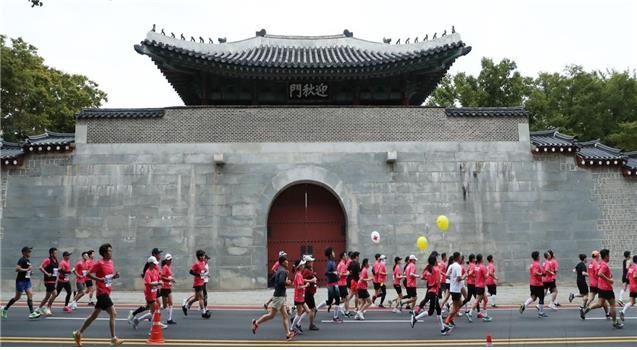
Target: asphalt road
x,y
231,327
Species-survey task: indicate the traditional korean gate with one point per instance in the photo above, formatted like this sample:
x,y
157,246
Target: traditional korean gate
x,y
305,219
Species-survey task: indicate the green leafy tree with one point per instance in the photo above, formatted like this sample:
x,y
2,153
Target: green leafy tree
x,y
36,97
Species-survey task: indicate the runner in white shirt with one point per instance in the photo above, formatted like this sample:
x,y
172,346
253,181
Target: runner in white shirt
x,y
454,273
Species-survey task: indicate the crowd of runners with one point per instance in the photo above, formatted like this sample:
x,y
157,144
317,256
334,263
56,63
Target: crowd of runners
x,y
456,287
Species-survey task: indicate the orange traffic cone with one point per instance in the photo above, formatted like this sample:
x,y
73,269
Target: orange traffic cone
x,y
156,336
489,340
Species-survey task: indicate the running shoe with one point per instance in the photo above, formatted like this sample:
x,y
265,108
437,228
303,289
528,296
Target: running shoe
x,y
557,304
396,311
206,314
47,312
329,307
542,315
494,306
185,310
620,302
469,318
5,312
336,320
618,325
254,326
451,324
35,314
487,319
412,320
67,309
522,308
90,303
171,322
445,330
361,315
77,337
135,323
313,327
163,325
130,317
381,306
608,316
553,307
571,296
298,329
480,315
290,336
582,313
115,341
621,315
74,305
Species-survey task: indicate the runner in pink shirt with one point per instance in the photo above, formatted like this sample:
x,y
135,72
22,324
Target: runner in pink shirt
x,y
341,270
491,280
152,283
299,285
548,280
592,269
396,280
471,284
480,279
631,277
605,290
411,276
64,279
168,280
432,276
363,294
554,267
80,280
199,272
536,285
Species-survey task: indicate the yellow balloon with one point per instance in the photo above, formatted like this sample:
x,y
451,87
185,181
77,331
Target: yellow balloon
x,y
422,243
442,222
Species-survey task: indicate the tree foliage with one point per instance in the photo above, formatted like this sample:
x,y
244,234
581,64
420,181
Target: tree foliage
x,y
588,105
36,97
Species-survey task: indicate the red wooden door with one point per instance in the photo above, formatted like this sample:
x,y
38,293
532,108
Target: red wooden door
x,y
305,219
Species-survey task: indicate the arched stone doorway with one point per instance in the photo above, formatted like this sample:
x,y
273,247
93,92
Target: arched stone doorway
x,y
305,219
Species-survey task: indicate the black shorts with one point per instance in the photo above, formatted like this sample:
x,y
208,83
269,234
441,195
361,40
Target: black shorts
x,y
444,286
165,292
363,293
199,288
298,303
479,291
405,282
594,290
624,279
103,302
63,285
342,290
633,294
538,291
549,285
309,300
398,288
606,294
456,296
492,289
89,283
471,290
376,286
583,288
50,287
411,292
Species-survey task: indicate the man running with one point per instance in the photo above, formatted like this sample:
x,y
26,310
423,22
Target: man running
x,y
354,269
166,288
411,276
631,276
341,269
333,293
22,283
625,283
536,285
492,280
580,271
480,278
471,284
273,270
88,265
64,280
455,275
310,278
103,272
299,285
198,271
549,279
50,268
605,290
80,279
278,301
592,269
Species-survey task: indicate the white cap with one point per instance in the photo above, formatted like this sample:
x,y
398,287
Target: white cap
x,y
168,257
301,263
412,257
382,257
307,258
282,253
153,260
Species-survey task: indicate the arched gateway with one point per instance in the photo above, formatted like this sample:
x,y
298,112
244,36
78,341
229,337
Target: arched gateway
x,y
305,219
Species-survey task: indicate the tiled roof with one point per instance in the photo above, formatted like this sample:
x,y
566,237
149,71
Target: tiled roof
x,y
310,52
595,153
50,138
631,161
552,140
10,150
488,112
128,113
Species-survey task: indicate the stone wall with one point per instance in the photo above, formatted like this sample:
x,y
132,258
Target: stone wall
x,y
137,196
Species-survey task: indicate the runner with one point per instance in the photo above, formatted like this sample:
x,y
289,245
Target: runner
x,y
22,283
550,276
625,283
103,272
631,275
442,267
132,315
492,280
592,269
166,288
580,271
49,268
471,284
605,290
152,283
64,280
536,285
278,301
354,269
382,279
411,276
88,265
333,293
307,271
363,294
341,269
273,270
300,285
481,277
447,284
455,275
375,279
198,270
432,276
80,279
397,277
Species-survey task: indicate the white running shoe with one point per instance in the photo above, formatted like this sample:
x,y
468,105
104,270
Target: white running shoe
x,y
130,317
163,325
73,305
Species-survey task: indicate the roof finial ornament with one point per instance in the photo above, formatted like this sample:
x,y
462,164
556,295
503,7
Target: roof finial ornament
x,y
152,30
201,40
453,29
192,38
387,40
435,35
407,41
172,34
416,40
444,33
162,32
210,41
183,37
222,40
261,32
398,41
347,33
426,37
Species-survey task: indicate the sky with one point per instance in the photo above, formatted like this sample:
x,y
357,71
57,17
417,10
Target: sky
x,y
95,38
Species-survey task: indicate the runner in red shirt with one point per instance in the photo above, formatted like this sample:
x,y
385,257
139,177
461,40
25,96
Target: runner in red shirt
x,y
363,294
432,276
299,285
168,280
554,267
397,278
471,284
198,270
64,280
631,277
103,272
548,280
592,269
310,277
536,285
50,268
480,278
341,269
80,279
375,277
605,290
152,283
88,265
411,276
273,270
491,280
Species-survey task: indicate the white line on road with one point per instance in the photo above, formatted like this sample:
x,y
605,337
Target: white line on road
x,y
81,318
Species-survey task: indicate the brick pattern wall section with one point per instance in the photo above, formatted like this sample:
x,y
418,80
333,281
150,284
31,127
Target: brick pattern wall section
x,y
306,124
